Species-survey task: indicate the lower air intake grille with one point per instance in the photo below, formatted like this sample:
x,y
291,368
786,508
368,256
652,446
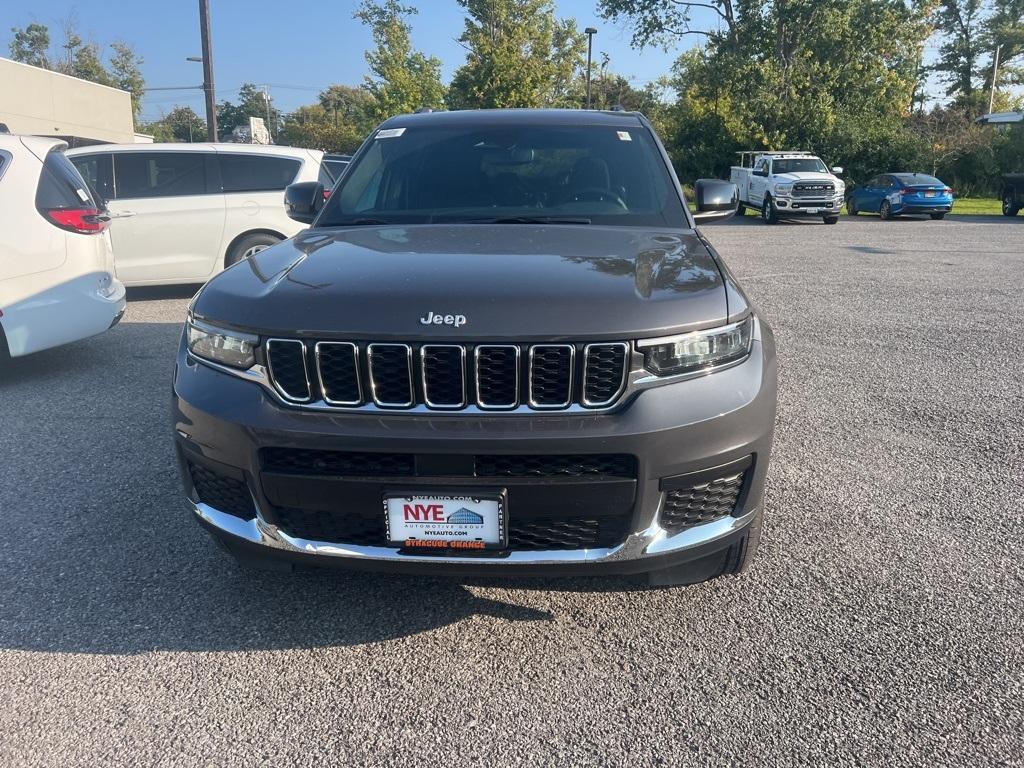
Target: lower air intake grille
x,y
225,494
687,507
307,461
606,465
524,535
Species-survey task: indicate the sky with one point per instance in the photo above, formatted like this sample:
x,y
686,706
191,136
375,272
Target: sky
x,y
298,49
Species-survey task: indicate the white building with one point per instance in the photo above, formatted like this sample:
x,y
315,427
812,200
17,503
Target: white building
x,y
40,102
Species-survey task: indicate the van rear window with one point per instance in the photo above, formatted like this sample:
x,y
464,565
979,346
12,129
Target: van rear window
x,y
61,185
256,173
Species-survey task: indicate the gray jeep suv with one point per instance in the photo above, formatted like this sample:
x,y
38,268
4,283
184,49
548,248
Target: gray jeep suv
x,y
501,348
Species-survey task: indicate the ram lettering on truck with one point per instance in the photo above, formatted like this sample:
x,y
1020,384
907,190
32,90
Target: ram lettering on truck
x,y
788,184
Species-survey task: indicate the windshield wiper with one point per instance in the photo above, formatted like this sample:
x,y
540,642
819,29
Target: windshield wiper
x,y
527,220
357,222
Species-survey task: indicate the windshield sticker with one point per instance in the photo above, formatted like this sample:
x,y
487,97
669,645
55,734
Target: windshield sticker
x,y
624,136
83,194
390,133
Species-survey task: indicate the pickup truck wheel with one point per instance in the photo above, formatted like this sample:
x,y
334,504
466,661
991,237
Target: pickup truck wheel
x,y
1010,207
885,211
768,213
734,559
741,210
831,219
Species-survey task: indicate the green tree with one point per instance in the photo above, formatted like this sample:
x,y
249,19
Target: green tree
x,y
126,73
31,45
518,55
402,80
961,24
346,105
314,127
185,125
1005,27
252,102
666,22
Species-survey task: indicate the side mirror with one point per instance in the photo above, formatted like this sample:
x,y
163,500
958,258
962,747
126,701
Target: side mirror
x,y
303,201
716,200
837,170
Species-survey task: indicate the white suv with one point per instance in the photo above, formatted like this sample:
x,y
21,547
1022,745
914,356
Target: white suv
x,y
56,270
183,212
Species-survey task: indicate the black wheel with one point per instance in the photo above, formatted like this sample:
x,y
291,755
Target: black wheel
x,y
768,213
741,210
851,207
734,559
249,245
831,219
938,216
1010,207
5,353
885,211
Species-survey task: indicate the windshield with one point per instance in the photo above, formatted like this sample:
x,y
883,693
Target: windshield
x,y
799,165
918,178
508,173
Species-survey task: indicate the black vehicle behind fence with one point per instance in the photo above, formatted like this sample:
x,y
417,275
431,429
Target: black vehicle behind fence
x,y
502,347
1011,193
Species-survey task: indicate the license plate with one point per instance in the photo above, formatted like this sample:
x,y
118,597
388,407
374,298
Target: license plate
x,y
812,210
440,521
930,193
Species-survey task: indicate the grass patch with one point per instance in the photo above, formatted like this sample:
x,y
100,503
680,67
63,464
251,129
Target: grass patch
x,y
977,206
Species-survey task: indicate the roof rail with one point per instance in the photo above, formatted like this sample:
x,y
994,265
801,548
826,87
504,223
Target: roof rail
x,y
424,110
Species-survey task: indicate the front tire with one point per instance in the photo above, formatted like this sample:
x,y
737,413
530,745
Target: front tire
x,y
851,207
768,213
831,219
741,210
248,246
1010,207
885,211
938,216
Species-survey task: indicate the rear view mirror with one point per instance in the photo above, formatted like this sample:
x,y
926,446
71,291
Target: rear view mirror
x,y
303,201
716,200
837,169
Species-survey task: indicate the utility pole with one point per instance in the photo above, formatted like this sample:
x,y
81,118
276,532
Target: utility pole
x,y
266,99
590,32
211,104
995,75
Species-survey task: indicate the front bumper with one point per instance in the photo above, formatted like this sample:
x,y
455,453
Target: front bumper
x,y
223,423
802,206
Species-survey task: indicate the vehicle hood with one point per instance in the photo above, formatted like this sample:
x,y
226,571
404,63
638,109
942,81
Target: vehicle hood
x,y
510,282
803,176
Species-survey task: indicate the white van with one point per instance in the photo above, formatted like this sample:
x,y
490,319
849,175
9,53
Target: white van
x,y
183,212
57,281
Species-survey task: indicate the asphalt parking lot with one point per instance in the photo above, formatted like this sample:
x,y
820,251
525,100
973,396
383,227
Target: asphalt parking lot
x,y
882,624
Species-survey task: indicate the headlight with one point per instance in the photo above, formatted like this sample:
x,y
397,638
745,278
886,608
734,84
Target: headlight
x,y
691,352
221,346
783,189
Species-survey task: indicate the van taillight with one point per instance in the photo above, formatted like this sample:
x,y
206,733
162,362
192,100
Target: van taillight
x,y
85,221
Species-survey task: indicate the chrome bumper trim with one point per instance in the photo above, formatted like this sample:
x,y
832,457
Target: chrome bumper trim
x,y
652,542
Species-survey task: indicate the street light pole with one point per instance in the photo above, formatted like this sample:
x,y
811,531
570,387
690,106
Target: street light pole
x,y
995,74
590,32
211,104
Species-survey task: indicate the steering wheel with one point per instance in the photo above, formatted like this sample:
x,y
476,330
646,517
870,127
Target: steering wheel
x,y
601,195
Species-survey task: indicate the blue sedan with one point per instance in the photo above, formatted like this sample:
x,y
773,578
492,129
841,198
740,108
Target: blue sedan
x,y
895,194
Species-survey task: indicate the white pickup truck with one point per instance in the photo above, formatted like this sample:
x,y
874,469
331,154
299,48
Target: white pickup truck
x,y
785,184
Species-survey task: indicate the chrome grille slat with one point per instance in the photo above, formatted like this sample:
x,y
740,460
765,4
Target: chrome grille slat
x,y
344,375
437,365
285,372
390,368
604,373
549,376
337,370
492,364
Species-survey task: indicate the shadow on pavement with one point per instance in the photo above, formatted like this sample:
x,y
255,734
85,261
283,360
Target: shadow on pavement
x,y
101,554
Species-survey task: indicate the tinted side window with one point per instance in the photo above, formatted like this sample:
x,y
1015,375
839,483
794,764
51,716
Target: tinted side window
x,y
61,186
256,173
336,167
159,174
325,177
97,170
